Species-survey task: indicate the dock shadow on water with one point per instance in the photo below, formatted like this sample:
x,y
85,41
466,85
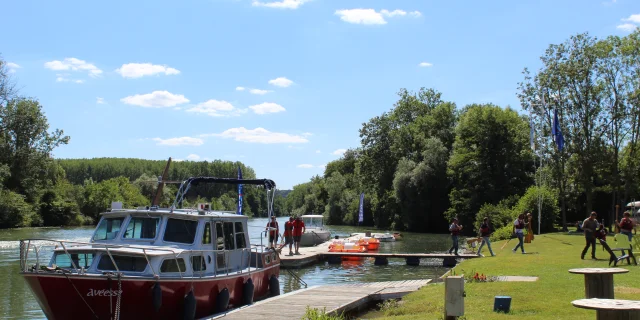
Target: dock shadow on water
x,y
17,301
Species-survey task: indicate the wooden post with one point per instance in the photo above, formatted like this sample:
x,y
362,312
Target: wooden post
x,y
453,297
598,285
381,261
618,315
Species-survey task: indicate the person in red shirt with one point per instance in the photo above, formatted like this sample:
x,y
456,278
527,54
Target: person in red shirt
x,y
288,234
272,226
298,230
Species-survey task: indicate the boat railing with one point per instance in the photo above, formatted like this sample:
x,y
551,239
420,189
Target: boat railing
x,y
27,244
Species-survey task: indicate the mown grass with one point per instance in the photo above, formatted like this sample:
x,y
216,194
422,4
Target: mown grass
x,y
549,257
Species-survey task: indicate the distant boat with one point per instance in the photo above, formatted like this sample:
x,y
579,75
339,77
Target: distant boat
x,y
314,232
386,237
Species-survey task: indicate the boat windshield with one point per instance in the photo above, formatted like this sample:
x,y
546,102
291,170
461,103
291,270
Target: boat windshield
x,y
312,222
108,228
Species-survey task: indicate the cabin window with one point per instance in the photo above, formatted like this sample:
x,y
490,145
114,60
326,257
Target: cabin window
x,y
170,265
142,228
228,236
82,260
124,263
181,231
108,228
198,263
241,243
219,236
206,235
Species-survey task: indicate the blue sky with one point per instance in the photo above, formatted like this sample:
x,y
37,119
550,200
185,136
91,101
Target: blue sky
x,y
282,86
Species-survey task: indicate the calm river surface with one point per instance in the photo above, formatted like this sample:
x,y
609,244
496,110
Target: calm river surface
x,y
17,302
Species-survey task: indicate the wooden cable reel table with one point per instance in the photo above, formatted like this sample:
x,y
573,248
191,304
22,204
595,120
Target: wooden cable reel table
x,y
598,282
611,309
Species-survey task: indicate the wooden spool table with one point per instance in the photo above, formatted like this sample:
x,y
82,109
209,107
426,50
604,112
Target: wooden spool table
x,y
611,309
598,282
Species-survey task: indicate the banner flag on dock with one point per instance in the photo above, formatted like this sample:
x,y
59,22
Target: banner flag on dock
x,y
361,209
239,192
557,131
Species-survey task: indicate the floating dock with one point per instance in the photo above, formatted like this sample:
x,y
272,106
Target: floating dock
x,y
335,298
312,255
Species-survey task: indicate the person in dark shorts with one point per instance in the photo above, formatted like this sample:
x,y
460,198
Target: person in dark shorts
x,y
288,234
272,226
298,230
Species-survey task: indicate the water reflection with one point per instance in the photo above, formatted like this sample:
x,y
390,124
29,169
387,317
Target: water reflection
x,y
17,302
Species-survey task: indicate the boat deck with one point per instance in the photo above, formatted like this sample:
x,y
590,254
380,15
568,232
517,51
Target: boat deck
x,y
335,298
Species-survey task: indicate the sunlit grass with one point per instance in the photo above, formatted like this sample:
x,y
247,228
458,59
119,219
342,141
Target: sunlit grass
x,y
549,257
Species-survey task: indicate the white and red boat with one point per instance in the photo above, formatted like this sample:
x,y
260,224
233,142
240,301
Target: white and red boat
x,y
153,263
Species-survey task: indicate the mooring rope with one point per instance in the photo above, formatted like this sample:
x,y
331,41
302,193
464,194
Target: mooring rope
x,y
80,295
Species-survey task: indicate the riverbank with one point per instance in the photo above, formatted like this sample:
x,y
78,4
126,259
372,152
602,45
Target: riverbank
x,y
549,258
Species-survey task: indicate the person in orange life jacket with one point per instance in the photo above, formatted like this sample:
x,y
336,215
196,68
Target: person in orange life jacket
x,y
590,227
454,228
518,229
288,234
485,233
626,225
273,233
298,230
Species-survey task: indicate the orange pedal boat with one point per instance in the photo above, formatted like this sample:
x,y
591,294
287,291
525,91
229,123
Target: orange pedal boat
x,y
370,242
339,246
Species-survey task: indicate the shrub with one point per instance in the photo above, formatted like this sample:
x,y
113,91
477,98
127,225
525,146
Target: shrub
x,y
549,208
15,211
316,314
503,233
500,215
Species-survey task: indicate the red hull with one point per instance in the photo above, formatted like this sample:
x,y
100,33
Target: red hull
x,y
59,300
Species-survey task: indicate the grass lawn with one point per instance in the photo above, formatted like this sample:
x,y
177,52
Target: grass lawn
x,y
548,257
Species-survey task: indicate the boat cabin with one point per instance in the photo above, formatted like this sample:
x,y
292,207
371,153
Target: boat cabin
x,y
175,243
312,221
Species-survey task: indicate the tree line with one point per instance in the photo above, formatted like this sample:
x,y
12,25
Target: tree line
x,y
426,160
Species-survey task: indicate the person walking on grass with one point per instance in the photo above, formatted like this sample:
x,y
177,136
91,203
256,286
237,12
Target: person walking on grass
x,y
454,228
518,229
590,226
626,225
485,233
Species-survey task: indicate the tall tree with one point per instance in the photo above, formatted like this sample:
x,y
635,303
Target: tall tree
x,y
26,145
491,160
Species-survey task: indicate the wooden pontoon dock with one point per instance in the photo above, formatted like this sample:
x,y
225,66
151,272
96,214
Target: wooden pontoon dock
x,y
335,298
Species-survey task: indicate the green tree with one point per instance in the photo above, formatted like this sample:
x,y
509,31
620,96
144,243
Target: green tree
x,y
26,145
491,160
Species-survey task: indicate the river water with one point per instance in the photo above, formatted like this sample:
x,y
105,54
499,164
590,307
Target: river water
x,y
17,302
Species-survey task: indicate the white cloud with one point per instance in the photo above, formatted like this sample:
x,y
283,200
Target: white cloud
x,y
425,64
307,134
217,108
283,4
63,78
100,100
305,166
635,18
73,64
156,99
281,82
259,91
267,107
318,151
193,157
322,166
12,67
259,135
339,152
182,141
240,88
627,27
371,16
137,70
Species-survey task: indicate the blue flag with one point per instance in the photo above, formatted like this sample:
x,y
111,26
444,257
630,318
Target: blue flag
x,y
556,131
361,209
239,192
